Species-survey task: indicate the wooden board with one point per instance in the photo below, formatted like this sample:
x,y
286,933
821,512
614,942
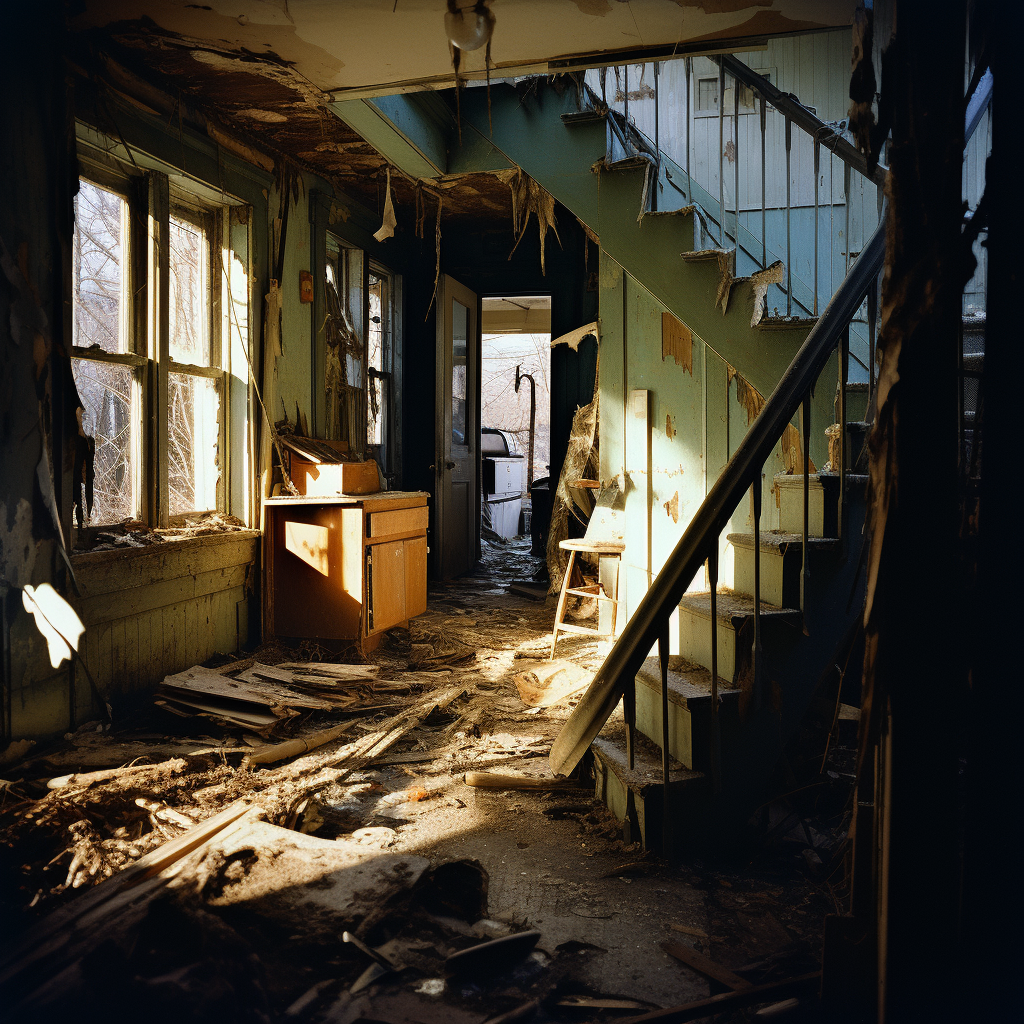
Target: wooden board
x,y
406,520
415,576
387,585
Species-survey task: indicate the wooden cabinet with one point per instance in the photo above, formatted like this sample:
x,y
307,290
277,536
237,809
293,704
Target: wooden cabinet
x,y
345,567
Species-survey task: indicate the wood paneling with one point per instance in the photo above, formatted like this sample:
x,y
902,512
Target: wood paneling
x,y
415,576
387,585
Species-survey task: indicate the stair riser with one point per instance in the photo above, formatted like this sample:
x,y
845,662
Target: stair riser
x,y
791,509
680,723
695,643
780,583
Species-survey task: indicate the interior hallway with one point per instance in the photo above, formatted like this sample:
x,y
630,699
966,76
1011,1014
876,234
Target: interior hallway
x,y
327,851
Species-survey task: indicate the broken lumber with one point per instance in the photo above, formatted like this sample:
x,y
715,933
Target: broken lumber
x,y
274,752
769,993
492,780
703,965
175,764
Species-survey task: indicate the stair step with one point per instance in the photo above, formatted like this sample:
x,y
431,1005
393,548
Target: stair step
x,y
781,560
635,796
974,362
785,323
701,255
588,116
689,708
735,613
629,163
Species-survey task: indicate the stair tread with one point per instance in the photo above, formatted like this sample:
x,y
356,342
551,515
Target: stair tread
x,y
817,479
785,323
588,116
686,678
629,163
699,255
732,605
647,769
776,541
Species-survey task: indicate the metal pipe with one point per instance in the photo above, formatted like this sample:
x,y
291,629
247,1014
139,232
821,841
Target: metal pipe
x,y
817,164
716,747
663,649
789,239
533,414
721,154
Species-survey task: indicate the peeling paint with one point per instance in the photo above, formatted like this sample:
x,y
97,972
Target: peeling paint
x,y
670,427
672,507
677,342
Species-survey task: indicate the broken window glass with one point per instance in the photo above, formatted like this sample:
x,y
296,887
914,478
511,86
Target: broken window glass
x,y
106,393
193,442
99,253
378,338
344,346
189,293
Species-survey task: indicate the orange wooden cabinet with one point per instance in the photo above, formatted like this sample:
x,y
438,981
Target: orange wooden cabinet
x,y
347,567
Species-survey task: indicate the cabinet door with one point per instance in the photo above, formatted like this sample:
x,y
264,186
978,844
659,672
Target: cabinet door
x,y
386,571
415,576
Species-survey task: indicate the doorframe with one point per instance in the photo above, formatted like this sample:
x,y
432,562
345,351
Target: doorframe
x,y
442,419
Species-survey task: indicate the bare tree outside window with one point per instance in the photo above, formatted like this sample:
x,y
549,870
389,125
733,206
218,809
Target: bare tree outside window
x,y
99,319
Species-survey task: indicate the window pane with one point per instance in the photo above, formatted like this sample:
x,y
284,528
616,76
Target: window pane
x,y
707,94
460,332
106,393
193,435
377,338
189,313
99,269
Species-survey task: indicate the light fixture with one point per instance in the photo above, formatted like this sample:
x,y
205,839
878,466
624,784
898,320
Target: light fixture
x,y
468,29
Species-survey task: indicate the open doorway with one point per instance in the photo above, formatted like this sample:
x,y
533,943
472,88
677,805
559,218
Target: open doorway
x,y
515,418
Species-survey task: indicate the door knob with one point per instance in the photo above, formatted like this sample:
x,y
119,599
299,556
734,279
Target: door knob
x,y
449,465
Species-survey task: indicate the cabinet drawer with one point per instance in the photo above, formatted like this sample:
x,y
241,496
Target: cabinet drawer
x,y
398,520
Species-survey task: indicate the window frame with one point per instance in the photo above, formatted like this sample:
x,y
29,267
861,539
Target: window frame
x,y
383,451
152,198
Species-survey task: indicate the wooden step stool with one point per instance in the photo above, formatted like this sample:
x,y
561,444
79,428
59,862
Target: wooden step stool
x,y
603,549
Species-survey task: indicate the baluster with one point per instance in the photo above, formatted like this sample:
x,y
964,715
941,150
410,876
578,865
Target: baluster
x,y
663,648
817,164
846,196
625,95
603,76
764,178
629,714
657,143
805,424
844,373
721,155
736,157
716,749
872,323
689,126
755,494
789,258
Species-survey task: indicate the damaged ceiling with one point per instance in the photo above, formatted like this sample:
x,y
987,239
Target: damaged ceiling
x,y
380,46
264,73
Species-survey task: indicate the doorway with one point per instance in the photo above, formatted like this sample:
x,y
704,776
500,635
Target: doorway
x,y
515,412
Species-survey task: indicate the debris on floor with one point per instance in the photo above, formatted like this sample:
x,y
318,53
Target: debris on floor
x,y
280,838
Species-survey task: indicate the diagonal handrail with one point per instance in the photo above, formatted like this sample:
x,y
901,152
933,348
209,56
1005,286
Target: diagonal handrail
x,y
646,624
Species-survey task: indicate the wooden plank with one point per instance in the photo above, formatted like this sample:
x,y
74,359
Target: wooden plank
x,y
117,659
161,594
383,524
705,966
387,598
105,572
415,576
250,687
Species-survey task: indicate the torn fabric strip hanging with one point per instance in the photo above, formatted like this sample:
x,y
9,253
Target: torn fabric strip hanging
x,y
529,197
573,338
387,229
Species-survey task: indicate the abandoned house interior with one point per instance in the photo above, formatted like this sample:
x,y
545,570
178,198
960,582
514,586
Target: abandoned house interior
x,y
506,511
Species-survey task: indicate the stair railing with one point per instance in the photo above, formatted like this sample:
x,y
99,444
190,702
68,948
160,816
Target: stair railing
x,y
699,544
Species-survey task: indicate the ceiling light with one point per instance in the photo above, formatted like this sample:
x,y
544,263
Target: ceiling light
x,y
468,29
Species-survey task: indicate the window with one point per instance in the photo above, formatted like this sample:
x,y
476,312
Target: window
x,y
145,389
379,359
706,95
346,355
